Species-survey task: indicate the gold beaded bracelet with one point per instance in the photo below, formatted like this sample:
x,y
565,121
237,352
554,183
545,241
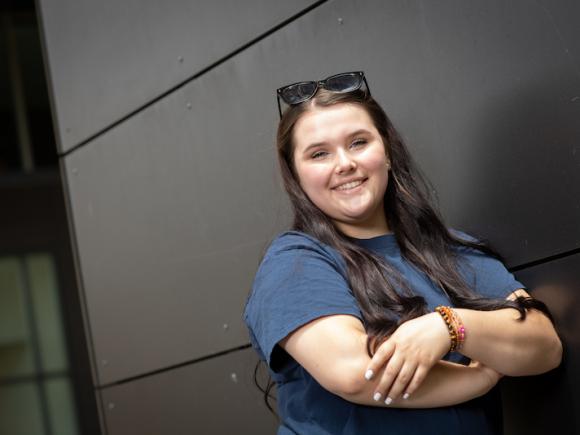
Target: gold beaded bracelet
x,y
459,328
454,325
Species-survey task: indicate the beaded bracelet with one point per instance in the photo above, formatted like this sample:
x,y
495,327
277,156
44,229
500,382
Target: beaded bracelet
x,y
454,325
446,314
460,328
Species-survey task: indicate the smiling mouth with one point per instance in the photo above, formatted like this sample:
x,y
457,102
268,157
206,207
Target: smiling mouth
x,y
351,185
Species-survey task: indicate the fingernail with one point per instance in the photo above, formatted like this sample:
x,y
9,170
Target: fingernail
x,y
406,396
368,374
388,400
377,397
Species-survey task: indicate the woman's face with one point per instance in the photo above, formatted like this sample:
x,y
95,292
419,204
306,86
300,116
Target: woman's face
x,y
340,160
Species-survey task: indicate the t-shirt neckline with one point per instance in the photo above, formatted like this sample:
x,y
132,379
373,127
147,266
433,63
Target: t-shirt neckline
x,y
378,242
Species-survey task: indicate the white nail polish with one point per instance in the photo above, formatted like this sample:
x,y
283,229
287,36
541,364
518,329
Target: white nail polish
x,y
406,396
368,374
377,397
388,400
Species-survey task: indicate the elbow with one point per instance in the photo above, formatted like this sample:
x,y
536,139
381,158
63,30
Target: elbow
x,y
558,350
555,349
544,352
344,377
352,392
351,385
553,356
346,387
544,359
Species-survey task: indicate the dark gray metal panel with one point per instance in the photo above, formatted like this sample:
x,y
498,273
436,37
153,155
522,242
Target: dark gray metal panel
x,y
172,212
216,396
108,58
174,206
504,145
549,403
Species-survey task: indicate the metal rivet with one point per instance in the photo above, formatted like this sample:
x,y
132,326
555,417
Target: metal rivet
x,y
188,106
111,406
234,377
340,21
226,326
180,59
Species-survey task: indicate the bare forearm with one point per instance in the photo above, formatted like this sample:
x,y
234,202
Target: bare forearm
x,y
512,347
446,384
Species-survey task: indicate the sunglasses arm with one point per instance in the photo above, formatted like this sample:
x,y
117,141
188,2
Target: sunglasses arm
x,y
279,107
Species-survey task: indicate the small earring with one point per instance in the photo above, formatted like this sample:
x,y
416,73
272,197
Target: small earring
x,y
389,165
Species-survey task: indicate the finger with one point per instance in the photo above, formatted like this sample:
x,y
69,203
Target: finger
x,y
388,377
380,358
418,378
401,382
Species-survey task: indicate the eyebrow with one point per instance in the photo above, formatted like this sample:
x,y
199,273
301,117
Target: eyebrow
x,y
354,133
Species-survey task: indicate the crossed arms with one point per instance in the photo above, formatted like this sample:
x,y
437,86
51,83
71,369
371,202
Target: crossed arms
x,y
333,350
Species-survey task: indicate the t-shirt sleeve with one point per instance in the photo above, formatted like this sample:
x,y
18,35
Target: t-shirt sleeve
x,y
485,274
298,281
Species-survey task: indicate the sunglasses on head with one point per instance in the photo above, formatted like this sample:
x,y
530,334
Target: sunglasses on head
x,y
297,93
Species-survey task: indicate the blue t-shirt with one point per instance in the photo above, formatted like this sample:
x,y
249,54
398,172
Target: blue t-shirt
x,y
301,279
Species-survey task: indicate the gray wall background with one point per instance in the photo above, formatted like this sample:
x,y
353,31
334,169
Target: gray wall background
x,y
165,114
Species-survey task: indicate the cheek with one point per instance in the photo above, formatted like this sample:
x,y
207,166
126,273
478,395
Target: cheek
x,y
378,166
313,180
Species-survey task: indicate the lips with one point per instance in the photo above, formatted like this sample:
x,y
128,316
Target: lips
x,y
361,179
350,181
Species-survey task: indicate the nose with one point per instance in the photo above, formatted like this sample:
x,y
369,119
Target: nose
x,y
344,162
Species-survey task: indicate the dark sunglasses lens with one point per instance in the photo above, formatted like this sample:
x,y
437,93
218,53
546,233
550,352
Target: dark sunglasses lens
x,y
344,83
299,92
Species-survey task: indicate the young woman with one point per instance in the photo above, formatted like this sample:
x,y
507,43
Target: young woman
x,y
372,315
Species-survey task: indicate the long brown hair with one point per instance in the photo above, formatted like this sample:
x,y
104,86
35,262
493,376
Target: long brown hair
x,y
424,240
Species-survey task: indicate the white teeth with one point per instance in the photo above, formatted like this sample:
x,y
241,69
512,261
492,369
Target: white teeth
x,y
350,185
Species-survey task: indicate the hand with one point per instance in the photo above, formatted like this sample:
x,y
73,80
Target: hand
x,y
408,354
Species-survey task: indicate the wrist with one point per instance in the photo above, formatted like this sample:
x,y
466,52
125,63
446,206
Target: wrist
x,y
455,326
444,332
